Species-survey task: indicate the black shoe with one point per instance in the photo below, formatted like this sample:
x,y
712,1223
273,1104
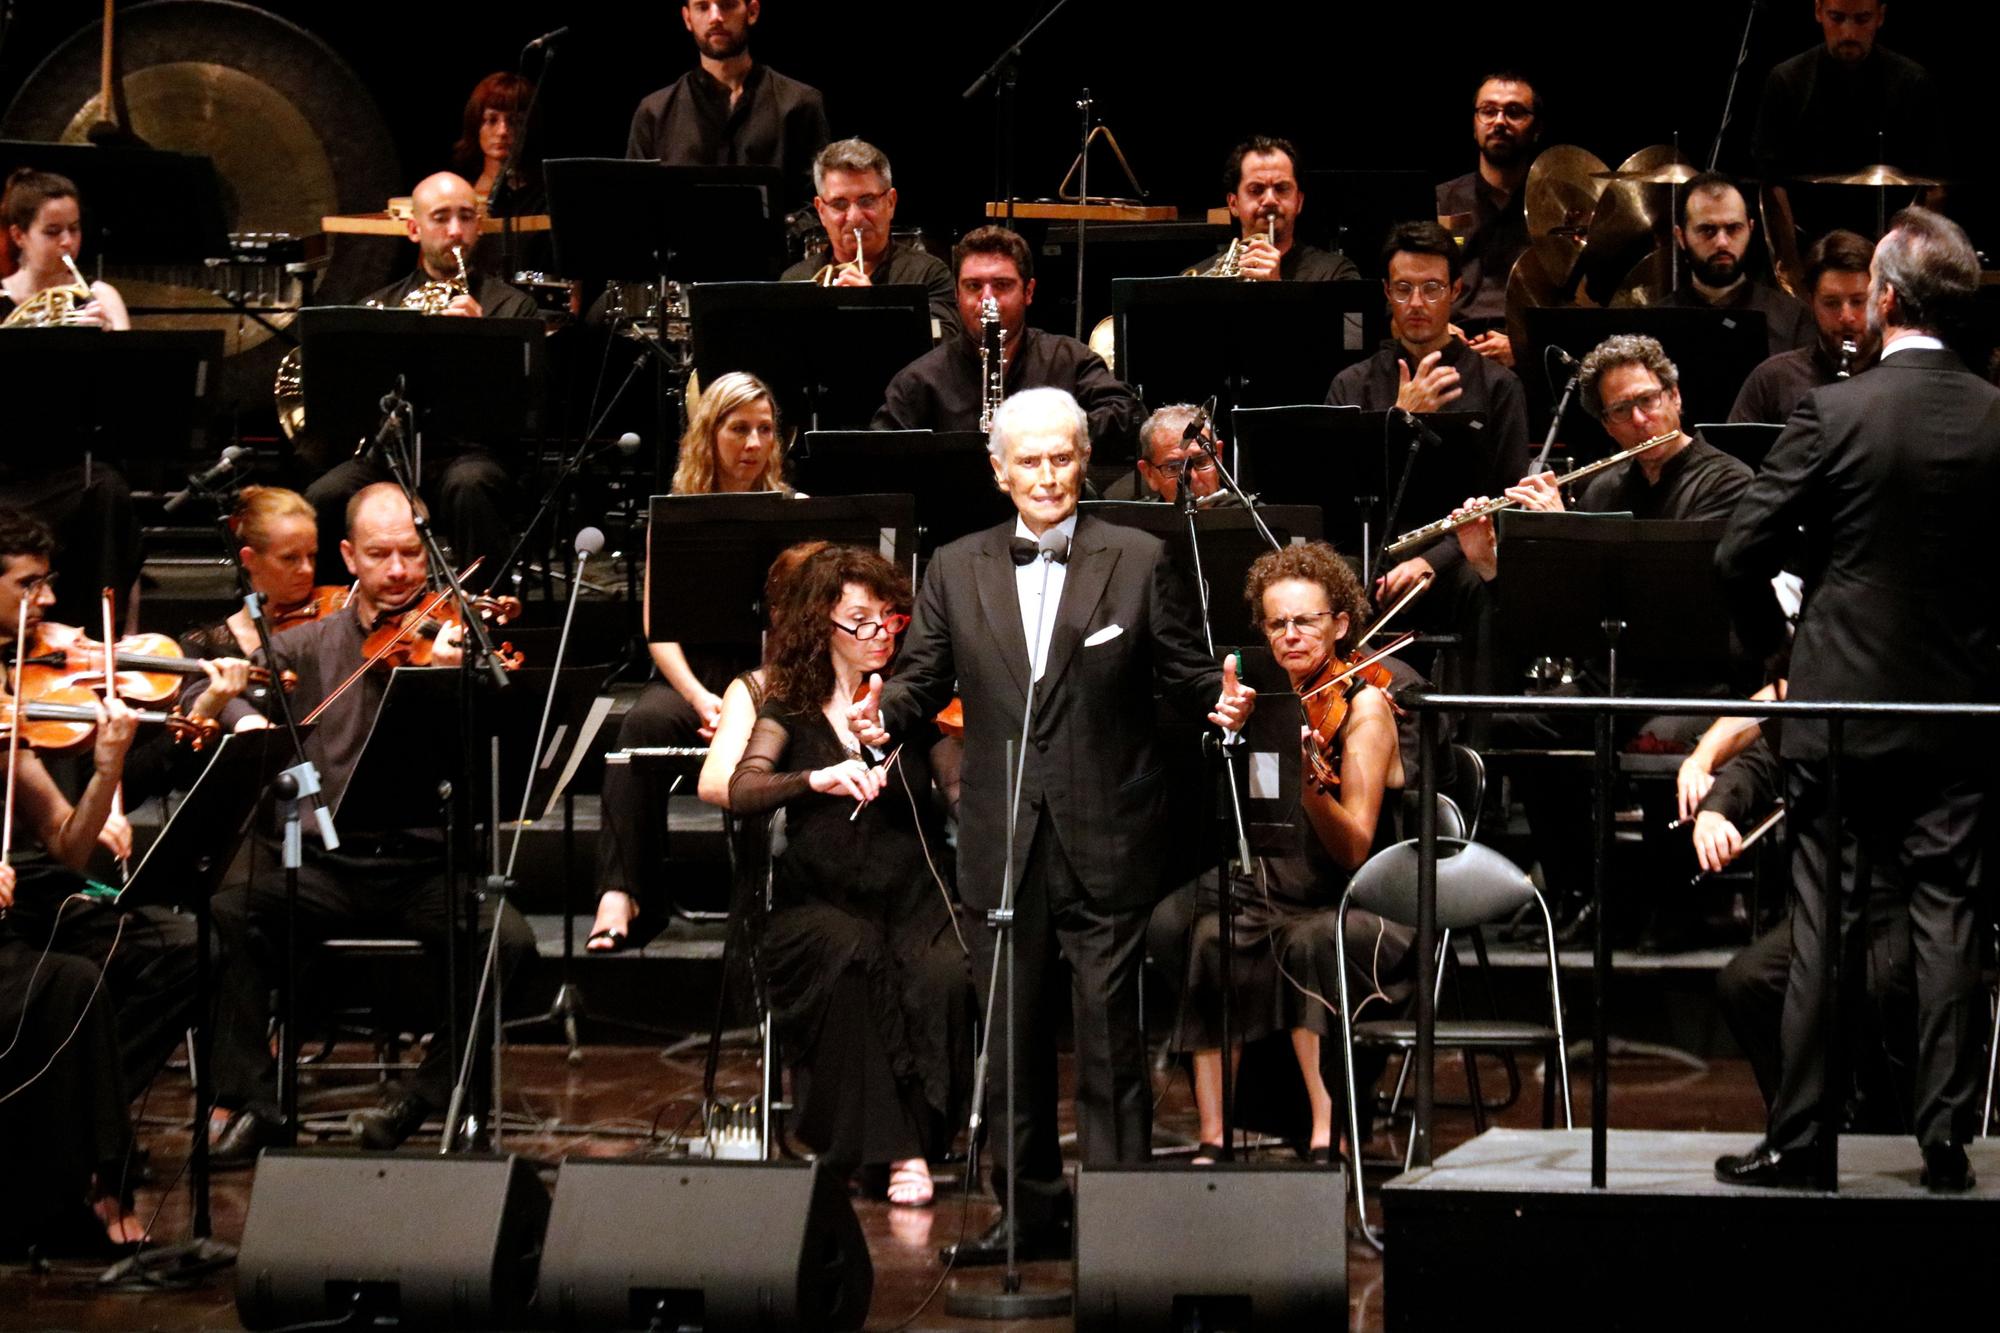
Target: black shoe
x,y
1766,1168
381,1128
1038,1242
246,1134
1945,1169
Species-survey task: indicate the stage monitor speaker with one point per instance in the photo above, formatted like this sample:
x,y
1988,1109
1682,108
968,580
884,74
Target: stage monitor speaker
x,y
1213,1247
430,1242
708,1245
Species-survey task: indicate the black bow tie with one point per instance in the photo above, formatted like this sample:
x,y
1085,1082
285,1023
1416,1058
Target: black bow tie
x,y
1027,552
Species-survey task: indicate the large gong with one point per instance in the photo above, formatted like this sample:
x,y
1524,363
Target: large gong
x,y
292,131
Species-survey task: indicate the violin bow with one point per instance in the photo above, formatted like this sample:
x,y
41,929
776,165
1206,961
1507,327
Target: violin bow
x,y
14,735
1394,646
1410,594
111,692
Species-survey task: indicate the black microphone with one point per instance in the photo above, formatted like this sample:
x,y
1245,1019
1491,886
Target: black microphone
x,y
202,483
1204,415
1416,424
546,39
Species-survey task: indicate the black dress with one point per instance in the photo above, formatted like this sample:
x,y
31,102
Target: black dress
x,y
867,977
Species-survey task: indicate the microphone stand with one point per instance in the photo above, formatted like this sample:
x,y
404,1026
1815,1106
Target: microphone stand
x,y
1555,422
1735,77
1420,435
504,186
1009,1302
1005,73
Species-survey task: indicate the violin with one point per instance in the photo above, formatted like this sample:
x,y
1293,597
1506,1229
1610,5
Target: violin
x,y
322,601
56,716
150,667
1326,694
409,637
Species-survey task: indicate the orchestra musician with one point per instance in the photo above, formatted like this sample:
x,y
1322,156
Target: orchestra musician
x,y
1260,183
1894,477
744,694
860,948
942,390
379,882
732,445
85,500
1837,285
729,110
1485,208
854,194
496,117
1114,624
1310,608
1167,455
467,483
1713,230
279,532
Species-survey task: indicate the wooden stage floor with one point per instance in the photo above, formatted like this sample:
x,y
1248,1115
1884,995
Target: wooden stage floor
x,y
622,1096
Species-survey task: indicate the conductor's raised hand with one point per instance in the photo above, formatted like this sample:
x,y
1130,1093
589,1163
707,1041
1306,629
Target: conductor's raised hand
x,y
850,778
1237,701
864,715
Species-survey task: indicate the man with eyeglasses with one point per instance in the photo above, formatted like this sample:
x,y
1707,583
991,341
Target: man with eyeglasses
x,y
1427,368
1166,456
854,191
1260,184
1713,230
729,110
1484,207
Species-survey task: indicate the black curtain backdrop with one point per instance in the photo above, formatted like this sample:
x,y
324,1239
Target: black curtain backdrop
x,y
1354,85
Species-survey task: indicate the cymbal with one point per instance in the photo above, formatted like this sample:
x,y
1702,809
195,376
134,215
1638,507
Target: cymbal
x,y
1649,283
1560,198
1629,220
1878,176
1672,173
1530,286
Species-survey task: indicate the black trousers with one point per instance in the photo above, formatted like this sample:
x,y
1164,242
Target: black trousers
x,y
341,895
1105,947
470,492
1924,819
632,847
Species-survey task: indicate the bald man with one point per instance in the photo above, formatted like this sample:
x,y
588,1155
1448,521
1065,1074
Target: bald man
x,y
469,489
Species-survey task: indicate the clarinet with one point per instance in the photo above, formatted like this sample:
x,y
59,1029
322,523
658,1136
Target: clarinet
x,y
992,365
1848,350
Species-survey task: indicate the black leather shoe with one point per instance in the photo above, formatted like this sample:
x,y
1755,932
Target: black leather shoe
x,y
246,1134
1042,1241
1945,1169
381,1128
1765,1167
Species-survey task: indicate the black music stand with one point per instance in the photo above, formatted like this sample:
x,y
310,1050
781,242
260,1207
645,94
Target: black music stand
x,y
134,395
1351,211
618,220
1715,351
469,379
1747,441
827,352
949,474
707,555
140,205
1230,543
183,868
1250,344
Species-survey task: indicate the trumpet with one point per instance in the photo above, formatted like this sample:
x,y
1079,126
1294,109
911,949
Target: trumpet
x,y
992,363
54,307
1849,350
828,272
1430,532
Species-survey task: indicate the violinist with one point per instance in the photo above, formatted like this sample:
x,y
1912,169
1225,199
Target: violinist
x,y
379,882
279,536
147,954
1310,608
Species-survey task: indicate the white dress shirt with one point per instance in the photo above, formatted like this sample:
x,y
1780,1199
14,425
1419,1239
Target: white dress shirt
x,y
1028,583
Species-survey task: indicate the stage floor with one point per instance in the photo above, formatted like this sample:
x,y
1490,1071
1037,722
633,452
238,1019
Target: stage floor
x,y
621,1097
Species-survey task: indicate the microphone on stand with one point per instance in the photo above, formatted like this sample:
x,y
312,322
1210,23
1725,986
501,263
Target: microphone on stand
x,y
1417,427
224,468
590,541
628,444
547,39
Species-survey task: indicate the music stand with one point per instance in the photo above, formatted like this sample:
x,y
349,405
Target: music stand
x,y
1251,344
1230,543
949,474
129,395
470,379
1640,594
1714,350
707,555
1749,442
183,868
827,352
613,219
140,205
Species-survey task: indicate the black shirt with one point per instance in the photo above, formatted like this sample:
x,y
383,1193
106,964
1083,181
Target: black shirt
x,y
1498,237
1749,785
1301,263
1486,387
1777,386
940,390
1787,322
777,122
1820,116
900,266
1699,482
497,300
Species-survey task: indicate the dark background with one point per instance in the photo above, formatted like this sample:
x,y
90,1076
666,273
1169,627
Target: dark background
x,y
1354,85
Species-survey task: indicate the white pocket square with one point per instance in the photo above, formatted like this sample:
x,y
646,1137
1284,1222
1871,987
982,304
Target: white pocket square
x,y
1105,635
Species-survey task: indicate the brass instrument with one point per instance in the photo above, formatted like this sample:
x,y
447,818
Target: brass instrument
x,y
828,272
1230,265
60,306
436,296
992,363
1848,352
1430,532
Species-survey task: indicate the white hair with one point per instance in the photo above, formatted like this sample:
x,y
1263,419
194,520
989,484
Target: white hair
x,y
1033,409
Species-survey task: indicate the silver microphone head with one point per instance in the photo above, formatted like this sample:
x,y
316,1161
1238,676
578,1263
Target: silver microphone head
x,y
590,541
628,443
1053,545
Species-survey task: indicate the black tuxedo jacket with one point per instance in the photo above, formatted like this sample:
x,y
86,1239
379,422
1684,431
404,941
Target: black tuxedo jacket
x,y
1124,624
1895,477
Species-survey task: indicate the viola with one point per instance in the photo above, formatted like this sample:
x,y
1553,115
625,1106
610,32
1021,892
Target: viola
x,y
1326,696
322,601
150,667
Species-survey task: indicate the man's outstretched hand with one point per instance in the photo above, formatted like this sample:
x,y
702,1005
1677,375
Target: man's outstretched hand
x,y
1238,700
864,715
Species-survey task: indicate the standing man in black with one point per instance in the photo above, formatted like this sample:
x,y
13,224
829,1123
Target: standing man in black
x,y
1484,207
730,111
1895,477
1088,857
